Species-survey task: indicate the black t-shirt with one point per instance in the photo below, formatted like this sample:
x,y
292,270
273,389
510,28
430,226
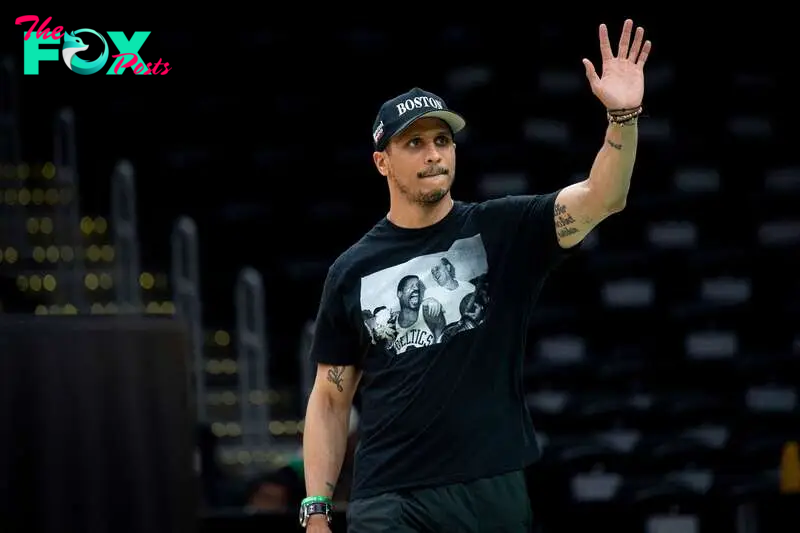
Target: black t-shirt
x,y
437,319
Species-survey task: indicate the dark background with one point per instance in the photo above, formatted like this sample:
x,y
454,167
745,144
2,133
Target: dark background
x,y
261,134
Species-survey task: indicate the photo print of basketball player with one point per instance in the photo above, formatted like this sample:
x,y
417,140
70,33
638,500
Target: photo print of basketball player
x,y
428,299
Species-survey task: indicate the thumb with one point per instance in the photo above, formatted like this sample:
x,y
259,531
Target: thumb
x,y
591,73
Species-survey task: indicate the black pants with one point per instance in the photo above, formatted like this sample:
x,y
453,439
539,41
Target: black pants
x,y
493,505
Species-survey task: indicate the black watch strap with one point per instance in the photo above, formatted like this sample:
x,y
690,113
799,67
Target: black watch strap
x,y
310,509
318,508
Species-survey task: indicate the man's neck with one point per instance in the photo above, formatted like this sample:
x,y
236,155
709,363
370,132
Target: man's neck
x,y
407,317
414,216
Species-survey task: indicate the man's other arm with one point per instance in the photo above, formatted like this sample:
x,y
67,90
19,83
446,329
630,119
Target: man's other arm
x,y
326,427
580,207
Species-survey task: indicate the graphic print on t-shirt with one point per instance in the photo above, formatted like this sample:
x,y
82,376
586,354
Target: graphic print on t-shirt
x,y
427,299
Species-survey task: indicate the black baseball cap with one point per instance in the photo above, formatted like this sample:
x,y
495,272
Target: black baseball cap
x,y
400,112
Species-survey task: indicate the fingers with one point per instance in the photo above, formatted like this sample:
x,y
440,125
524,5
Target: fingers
x,y
625,39
637,44
643,54
591,73
605,44
636,52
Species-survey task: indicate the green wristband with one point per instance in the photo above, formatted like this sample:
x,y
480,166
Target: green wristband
x,y
317,499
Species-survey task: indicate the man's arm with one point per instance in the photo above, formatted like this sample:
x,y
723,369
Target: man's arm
x,y
580,207
326,427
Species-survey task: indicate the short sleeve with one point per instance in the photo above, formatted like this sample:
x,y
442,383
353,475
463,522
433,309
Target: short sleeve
x,y
336,339
531,220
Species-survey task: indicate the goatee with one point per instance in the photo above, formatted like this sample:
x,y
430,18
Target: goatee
x,y
430,198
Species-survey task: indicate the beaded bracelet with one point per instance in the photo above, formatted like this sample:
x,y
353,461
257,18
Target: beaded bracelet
x,y
623,116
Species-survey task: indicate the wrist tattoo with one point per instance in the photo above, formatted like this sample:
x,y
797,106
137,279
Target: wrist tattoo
x,y
335,376
612,144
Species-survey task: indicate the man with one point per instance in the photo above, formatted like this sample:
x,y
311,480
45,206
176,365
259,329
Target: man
x,y
450,290
420,320
445,432
471,309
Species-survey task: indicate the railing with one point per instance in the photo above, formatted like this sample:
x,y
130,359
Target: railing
x,y
188,305
124,226
253,360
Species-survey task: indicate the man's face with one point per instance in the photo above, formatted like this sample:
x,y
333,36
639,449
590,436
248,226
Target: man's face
x,y
443,272
411,293
420,162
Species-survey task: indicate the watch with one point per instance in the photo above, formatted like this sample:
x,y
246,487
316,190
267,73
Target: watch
x,y
309,509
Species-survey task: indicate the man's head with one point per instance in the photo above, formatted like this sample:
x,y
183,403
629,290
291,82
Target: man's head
x,y
410,292
414,146
443,272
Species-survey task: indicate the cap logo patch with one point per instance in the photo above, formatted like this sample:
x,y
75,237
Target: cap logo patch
x,y
378,133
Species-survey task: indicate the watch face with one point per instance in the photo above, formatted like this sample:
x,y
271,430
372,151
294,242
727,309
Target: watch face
x,y
306,512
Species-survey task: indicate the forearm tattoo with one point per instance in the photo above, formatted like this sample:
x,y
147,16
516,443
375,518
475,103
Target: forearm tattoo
x,y
336,376
612,144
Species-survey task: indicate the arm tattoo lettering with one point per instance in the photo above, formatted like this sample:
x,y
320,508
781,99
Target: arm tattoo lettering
x,y
612,144
336,376
564,222
331,486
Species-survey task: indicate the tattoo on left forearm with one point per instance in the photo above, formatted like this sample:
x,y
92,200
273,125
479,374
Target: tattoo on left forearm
x,y
564,222
331,486
612,144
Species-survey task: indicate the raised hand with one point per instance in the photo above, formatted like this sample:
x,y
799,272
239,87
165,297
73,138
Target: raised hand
x,y
622,83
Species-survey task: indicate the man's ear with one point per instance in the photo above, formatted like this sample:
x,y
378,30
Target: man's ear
x,y
379,158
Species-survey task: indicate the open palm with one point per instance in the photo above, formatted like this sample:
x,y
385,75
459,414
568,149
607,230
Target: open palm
x,y
622,83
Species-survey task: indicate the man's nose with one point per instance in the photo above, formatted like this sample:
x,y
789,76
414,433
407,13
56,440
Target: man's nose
x,y
433,155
